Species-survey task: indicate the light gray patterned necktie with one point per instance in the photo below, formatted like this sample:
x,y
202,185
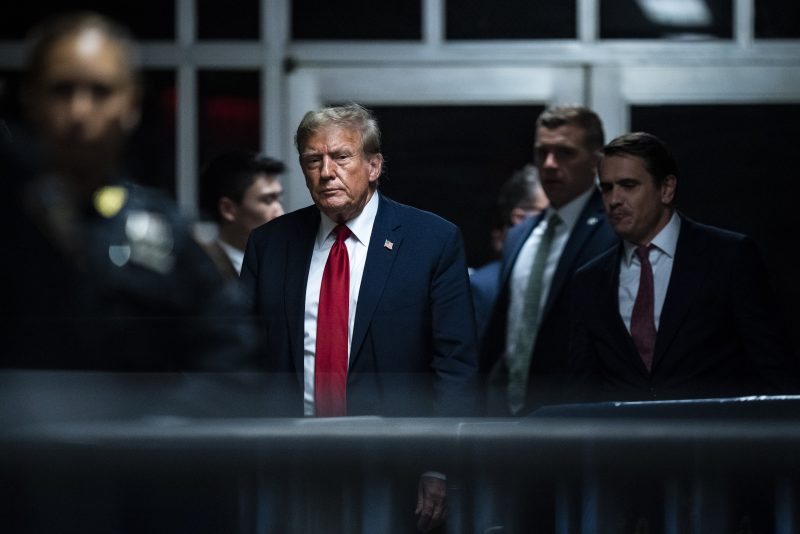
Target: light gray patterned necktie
x,y
520,362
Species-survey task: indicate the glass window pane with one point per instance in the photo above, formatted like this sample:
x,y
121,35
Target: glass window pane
x,y
139,17
666,19
452,160
357,20
510,19
737,169
777,19
229,112
218,20
152,157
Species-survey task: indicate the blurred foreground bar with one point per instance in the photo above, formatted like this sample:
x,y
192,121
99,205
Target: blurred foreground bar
x,y
94,452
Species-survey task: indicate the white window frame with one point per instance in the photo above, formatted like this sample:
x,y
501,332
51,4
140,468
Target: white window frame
x,y
608,75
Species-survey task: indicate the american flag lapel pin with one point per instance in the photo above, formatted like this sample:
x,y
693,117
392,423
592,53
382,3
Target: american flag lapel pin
x,y
388,245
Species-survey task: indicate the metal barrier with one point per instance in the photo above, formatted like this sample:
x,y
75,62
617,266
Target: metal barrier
x,y
96,455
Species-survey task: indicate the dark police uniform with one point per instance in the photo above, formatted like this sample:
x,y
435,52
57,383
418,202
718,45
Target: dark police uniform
x,y
113,283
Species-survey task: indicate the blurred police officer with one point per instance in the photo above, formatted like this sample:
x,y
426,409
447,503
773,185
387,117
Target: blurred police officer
x,y
100,273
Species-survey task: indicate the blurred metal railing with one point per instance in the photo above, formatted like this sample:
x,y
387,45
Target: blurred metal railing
x,y
97,455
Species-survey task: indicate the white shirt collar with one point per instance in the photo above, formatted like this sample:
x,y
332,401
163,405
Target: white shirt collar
x,y
360,226
571,211
234,254
666,240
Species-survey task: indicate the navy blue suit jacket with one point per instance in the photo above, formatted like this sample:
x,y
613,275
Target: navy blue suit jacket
x,y
591,236
485,283
719,333
413,348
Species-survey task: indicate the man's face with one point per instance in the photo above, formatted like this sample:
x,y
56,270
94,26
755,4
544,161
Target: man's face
x,y
533,205
85,101
260,204
637,207
566,167
339,176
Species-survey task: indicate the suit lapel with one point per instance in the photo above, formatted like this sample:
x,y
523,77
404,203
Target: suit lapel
x,y
300,246
587,224
380,259
684,281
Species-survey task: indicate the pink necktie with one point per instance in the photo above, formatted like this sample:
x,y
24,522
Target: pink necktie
x,y
643,324
330,368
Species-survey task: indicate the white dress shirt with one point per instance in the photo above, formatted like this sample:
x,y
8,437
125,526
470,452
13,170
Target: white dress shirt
x,y
662,255
357,245
569,214
234,254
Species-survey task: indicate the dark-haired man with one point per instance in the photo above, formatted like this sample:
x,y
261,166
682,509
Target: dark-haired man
x,y
241,191
677,309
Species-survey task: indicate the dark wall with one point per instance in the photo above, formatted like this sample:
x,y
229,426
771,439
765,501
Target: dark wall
x,y
452,160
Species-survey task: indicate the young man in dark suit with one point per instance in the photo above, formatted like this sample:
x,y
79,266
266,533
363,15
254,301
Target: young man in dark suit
x,y
677,309
524,348
240,191
365,302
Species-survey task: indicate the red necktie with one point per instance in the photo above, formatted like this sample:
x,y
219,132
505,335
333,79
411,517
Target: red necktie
x,y
330,367
643,324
